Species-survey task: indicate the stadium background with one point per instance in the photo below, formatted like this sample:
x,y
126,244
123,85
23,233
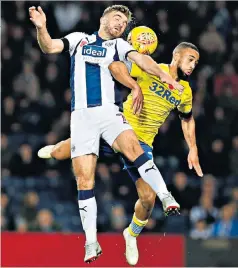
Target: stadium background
x,y
41,196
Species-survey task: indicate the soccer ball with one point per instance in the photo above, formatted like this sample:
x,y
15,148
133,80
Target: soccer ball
x,y
143,39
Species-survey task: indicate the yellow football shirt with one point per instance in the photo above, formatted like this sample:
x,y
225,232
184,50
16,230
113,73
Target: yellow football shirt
x,y
159,101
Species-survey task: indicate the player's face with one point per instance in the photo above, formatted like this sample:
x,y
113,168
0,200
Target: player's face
x,y
116,23
188,60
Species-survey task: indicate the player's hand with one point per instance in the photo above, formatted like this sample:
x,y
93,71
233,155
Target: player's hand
x,y
193,161
137,100
37,16
166,78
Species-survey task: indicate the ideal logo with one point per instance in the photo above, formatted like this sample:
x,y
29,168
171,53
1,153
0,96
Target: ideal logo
x,y
94,51
164,93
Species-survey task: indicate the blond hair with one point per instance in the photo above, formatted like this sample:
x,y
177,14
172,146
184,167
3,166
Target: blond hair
x,y
123,9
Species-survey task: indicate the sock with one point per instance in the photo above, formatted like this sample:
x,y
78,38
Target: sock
x,y
136,226
150,174
88,214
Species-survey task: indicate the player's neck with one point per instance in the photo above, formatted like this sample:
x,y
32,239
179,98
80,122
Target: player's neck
x,y
104,35
176,72
173,70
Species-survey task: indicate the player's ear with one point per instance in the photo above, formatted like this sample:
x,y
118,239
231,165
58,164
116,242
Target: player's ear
x,y
103,20
176,56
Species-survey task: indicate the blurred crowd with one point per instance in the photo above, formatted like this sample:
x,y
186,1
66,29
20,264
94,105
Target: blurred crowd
x,y
40,195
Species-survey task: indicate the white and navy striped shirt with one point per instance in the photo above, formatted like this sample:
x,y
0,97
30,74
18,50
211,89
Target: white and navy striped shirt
x,y
90,79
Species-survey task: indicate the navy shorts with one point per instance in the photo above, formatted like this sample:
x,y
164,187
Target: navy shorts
x,y
106,150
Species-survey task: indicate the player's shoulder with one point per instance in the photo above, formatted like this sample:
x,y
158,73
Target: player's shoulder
x,y
163,66
187,92
120,41
76,35
186,85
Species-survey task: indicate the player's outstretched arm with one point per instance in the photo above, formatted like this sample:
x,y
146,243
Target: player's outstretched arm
x,y
46,43
147,64
120,72
188,127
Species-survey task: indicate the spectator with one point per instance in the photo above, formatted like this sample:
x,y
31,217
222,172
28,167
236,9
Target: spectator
x,y
227,226
184,32
222,19
118,218
228,96
21,225
4,226
217,159
45,222
123,188
24,162
221,125
6,213
104,188
211,41
234,157
6,153
9,112
205,211
213,46
209,186
185,195
28,211
234,200
61,126
228,79
27,82
67,15
200,230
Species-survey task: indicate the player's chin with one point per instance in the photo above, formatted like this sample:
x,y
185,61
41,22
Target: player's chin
x,y
116,34
188,73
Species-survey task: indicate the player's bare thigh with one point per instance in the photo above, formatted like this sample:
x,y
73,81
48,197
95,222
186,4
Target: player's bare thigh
x,y
84,170
61,150
128,144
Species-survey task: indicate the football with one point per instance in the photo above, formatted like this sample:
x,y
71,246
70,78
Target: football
x,y
143,39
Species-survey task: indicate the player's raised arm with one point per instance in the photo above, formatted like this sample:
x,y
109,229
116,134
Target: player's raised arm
x,y
120,73
46,43
147,64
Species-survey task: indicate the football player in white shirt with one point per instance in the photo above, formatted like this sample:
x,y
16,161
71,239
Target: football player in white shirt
x,y
95,113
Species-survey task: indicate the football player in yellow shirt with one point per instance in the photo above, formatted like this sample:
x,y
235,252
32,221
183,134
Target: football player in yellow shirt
x,y
159,100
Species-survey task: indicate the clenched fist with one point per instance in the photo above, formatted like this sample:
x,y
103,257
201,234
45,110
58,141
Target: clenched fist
x,y
37,16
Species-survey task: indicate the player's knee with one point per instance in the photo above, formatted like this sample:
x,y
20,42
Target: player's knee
x,y
60,151
84,178
133,150
84,183
84,171
147,199
56,152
